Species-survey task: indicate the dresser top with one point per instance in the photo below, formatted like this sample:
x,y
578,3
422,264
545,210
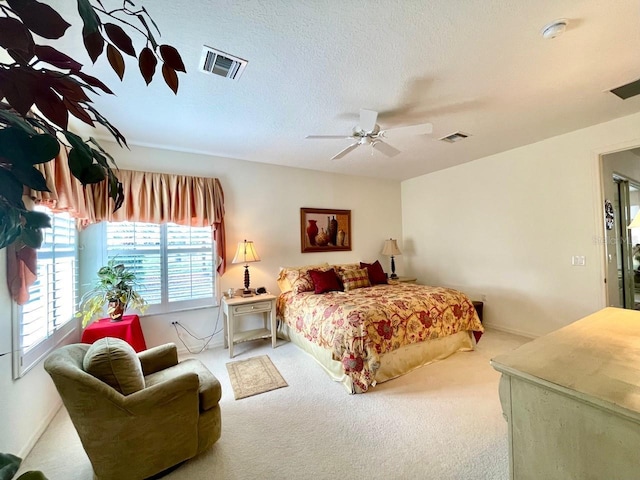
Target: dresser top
x,y
597,358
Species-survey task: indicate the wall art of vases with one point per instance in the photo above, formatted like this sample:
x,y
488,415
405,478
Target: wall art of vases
x,y
322,238
332,230
340,238
312,231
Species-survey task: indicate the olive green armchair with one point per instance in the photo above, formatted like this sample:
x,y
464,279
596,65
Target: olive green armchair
x,y
136,414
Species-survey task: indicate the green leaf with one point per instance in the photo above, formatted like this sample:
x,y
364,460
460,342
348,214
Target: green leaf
x,y
24,150
32,237
89,16
9,465
32,178
11,188
35,219
93,174
78,162
32,475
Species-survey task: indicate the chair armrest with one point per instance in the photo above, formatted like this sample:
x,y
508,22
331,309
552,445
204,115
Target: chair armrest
x,y
176,389
158,358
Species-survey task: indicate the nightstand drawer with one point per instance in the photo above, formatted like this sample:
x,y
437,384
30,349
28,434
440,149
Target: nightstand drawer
x,y
252,308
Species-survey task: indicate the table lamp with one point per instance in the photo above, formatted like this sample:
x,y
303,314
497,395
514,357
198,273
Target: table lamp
x,y
390,249
246,253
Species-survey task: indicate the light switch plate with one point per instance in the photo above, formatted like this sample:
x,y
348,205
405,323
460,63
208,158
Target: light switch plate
x,y
578,260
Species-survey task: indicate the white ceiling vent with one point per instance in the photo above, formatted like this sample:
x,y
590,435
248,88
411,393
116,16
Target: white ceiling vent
x,y
220,63
455,137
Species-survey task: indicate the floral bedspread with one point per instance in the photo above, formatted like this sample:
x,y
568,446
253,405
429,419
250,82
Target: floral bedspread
x,y
360,325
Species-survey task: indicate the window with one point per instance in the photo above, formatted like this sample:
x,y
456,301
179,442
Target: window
x,y
45,320
173,263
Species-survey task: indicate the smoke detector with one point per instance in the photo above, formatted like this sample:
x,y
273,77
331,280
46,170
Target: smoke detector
x,y
555,28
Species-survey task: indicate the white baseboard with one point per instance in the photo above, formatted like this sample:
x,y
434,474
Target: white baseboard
x,y
40,430
514,331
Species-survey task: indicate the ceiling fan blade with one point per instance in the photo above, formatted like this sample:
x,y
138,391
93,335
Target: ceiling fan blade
x,y
368,120
342,153
385,148
421,129
334,137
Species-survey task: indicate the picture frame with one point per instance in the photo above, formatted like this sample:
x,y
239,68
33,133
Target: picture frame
x,y
325,230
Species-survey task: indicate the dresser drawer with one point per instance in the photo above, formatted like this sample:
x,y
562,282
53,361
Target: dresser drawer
x,y
252,308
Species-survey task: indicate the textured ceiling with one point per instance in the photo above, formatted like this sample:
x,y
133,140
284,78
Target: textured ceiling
x,y
480,67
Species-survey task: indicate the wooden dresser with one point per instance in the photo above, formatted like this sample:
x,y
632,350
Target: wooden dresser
x,y
572,400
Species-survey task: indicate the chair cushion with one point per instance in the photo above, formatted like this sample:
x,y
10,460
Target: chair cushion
x,y
210,390
116,363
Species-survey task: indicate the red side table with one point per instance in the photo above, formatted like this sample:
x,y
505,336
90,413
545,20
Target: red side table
x,y
128,329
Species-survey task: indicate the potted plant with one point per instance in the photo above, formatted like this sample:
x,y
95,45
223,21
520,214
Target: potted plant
x,y
116,286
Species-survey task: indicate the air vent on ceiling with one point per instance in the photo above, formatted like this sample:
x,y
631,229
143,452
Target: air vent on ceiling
x,y
220,63
627,91
455,137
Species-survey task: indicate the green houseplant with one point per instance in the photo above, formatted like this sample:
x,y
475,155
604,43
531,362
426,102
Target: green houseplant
x,y
116,285
9,465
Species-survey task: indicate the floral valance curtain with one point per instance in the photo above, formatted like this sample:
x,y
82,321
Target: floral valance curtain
x,y
148,197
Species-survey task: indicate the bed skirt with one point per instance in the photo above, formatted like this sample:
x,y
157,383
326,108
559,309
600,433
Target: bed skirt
x,y
392,364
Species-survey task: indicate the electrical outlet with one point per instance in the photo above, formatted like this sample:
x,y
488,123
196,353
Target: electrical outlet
x,y
483,297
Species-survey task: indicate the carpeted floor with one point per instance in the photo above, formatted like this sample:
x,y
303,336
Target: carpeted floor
x,y
442,421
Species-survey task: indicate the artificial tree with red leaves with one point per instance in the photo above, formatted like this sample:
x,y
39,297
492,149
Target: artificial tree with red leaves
x,y
42,86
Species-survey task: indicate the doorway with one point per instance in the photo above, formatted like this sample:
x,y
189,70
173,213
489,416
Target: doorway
x,y
621,189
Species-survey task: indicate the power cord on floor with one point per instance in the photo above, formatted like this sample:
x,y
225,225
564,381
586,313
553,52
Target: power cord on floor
x,y
207,339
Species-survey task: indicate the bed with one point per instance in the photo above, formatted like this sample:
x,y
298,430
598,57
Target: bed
x,y
375,332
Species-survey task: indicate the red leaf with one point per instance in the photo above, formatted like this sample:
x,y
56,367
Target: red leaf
x,y
94,43
69,88
14,35
52,107
119,38
172,58
116,60
170,77
19,88
94,82
77,111
56,58
147,63
40,18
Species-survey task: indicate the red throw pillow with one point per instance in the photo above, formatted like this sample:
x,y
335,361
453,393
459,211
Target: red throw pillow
x,y
325,281
375,271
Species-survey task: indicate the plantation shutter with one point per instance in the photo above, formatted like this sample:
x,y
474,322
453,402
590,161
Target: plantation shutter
x,y
173,263
46,318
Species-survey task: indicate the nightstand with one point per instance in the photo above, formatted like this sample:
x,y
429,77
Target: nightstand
x,y
237,307
405,279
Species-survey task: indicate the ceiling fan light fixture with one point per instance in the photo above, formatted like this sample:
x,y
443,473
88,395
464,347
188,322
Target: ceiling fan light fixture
x,y
554,29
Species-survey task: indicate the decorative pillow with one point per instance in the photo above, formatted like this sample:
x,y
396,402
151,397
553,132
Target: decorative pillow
x,y
325,281
116,363
345,266
352,279
375,271
300,280
285,275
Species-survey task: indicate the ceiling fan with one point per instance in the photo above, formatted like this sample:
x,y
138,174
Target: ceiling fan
x,y
368,132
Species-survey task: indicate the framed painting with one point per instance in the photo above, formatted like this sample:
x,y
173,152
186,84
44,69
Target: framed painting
x,y
325,230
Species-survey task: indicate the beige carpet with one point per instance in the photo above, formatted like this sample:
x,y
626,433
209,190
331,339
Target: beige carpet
x,y
254,376
439,422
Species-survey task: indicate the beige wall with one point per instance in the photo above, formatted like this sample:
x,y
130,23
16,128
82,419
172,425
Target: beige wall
x,y
507,225
262,204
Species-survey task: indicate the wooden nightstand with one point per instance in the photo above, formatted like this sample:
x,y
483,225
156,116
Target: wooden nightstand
x,y
405,279
236,307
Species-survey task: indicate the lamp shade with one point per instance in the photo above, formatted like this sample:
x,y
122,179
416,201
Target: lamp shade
x,y
391,248
246,253
635,223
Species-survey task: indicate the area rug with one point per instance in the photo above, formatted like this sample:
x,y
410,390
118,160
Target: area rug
x,y
254,376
